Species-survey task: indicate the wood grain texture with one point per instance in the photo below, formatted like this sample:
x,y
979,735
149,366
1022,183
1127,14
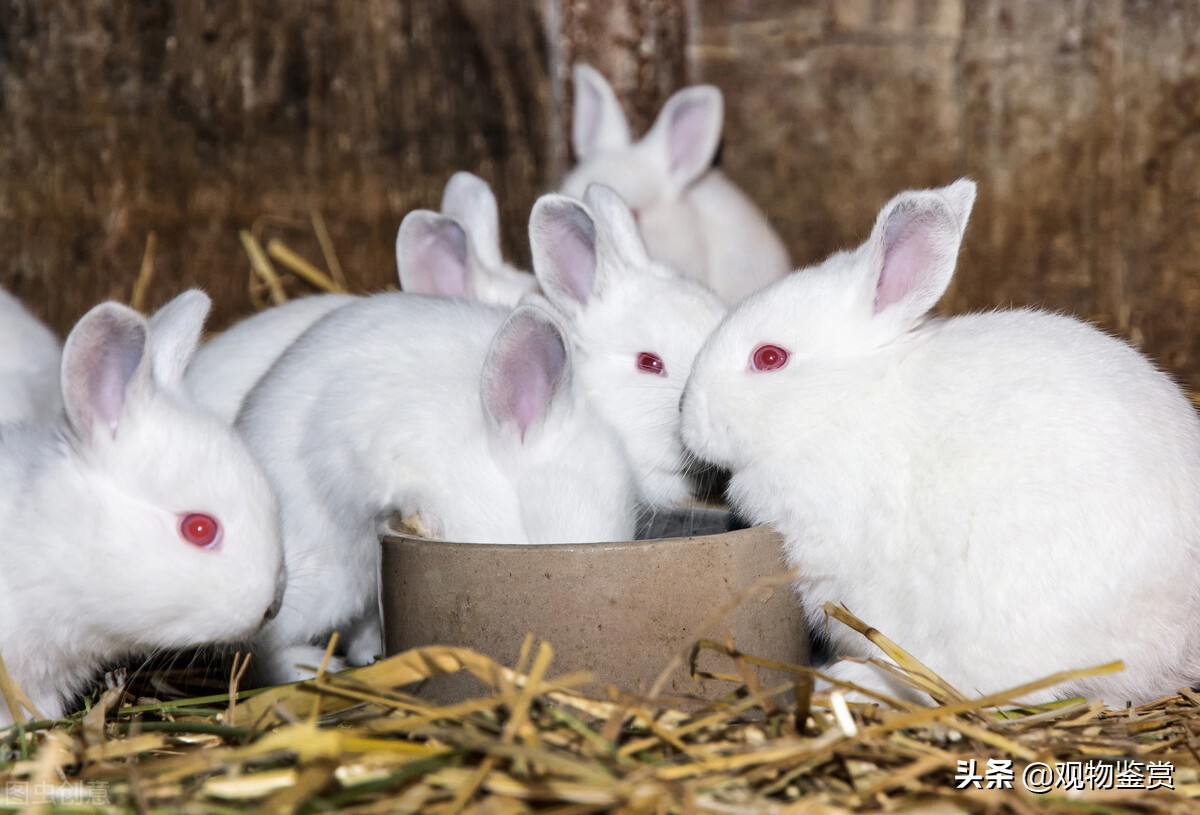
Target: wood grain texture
x,y
1079,121
639,45
195,120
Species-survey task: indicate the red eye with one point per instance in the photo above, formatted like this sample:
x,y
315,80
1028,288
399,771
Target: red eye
x,y
651,363
200,530
768,358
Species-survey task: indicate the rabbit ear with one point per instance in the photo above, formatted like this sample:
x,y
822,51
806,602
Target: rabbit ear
x,y
176,329
432,255
578,250
469,200
525,370
961,197
598,124
562,238
915,246
616,226
687,133
104,366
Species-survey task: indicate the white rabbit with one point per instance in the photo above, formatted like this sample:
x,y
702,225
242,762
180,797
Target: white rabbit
x,y
459,416
135,522
29,358
226,367
1005,494
636,326
690,214
457,253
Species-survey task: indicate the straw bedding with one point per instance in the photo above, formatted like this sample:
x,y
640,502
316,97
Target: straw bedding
x,y
358,742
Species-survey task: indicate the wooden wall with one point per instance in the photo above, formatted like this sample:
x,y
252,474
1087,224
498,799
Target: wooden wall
x,y
193,120
1080,121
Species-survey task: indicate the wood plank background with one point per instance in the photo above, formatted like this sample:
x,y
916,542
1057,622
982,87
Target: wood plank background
x,y
195,120
1080,121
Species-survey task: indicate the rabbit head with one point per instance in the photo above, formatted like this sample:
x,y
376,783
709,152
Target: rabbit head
x,y
654,174
634,324
803,350
177,542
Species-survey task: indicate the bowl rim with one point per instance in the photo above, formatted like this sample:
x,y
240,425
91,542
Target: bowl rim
x,y
396,538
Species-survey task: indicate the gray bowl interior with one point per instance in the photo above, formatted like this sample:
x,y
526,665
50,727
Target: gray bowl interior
x,y
687,522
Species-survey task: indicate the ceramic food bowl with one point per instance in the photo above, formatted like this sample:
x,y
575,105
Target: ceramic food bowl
x,y
622,611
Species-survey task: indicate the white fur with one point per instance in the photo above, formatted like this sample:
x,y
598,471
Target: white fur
x,y
456,253
1006,495
593,267
395,404
228,366
465,239
92,565
689,213
29,357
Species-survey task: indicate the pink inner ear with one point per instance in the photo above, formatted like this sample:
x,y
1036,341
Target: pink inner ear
x,y
908,255
529,365
441,261
100,359
107,382
693,132
570,242
688,135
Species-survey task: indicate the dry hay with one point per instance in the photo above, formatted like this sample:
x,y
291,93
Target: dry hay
x,y
266,284
356,742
